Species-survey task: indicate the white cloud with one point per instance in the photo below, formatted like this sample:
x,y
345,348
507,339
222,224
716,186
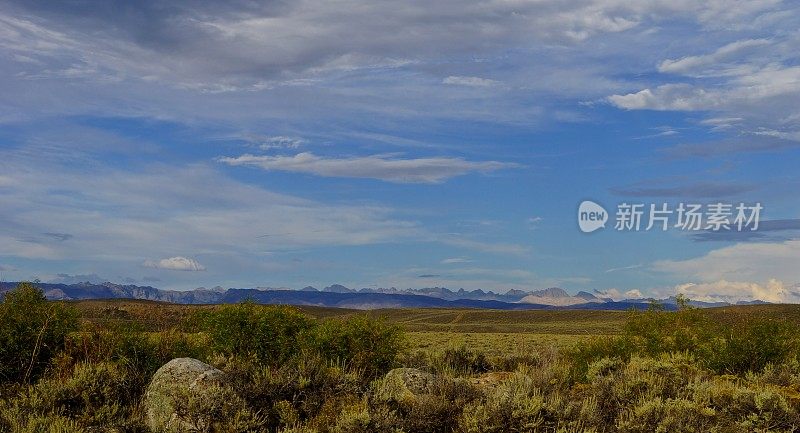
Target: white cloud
x,y
177,263
721,123
623,268
747,85
633,294
417,170
240,51
691,64
732,291
302,63
237,228
487,247
741,262
784,135
455,260
280,142
678,97
469,81
173,209
619,295
740,93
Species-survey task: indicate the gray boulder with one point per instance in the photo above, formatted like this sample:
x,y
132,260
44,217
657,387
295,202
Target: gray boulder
x,y
403,384
176,395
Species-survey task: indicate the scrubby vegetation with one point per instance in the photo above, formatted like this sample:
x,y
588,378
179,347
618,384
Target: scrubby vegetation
x,y
725,347
685,371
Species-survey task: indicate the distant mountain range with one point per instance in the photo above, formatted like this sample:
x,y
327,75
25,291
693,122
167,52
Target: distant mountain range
x,y
340,296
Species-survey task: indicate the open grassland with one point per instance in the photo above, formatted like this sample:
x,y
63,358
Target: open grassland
x,y
492,343
570,322
563,322
491,331
85,367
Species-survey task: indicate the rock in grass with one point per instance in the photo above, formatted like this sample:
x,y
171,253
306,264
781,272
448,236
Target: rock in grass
x,y
174,389
403,384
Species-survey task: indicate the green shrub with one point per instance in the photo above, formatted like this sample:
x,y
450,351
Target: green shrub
x,y
749,406
353,419
656,415
583,355
20,420
218,409
359,342
299,390
269,333
516,360
514,406
735,347
752,346
93,395
141,353
298,429
32,331
462,360
274,335
393,407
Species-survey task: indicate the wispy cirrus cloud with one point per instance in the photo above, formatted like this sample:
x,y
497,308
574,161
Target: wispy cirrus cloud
x,y
234,36
623,268
270,142
386,168
301,75
768,231
692,190
748,85
455,260
697,64
469,81
750,143
61,237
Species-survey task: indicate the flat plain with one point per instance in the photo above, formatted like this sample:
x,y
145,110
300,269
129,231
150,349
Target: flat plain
x,y
491,331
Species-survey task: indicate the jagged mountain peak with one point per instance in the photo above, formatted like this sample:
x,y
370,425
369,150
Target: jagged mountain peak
x,y
587,296
552,292
337,288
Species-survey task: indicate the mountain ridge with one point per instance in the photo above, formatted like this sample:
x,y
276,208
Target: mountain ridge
x,y
337,295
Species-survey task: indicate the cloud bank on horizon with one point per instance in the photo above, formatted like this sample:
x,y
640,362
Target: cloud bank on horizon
x,y
398,144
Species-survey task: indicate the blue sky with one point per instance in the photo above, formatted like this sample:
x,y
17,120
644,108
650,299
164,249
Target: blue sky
x,y
407,144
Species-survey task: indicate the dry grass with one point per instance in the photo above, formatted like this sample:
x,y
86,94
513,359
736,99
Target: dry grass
x,y
492,331
493,343
494,371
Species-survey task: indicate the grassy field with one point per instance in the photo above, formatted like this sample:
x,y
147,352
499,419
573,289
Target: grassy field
x,y
733,369
491,331
413,319
502,332
492,343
